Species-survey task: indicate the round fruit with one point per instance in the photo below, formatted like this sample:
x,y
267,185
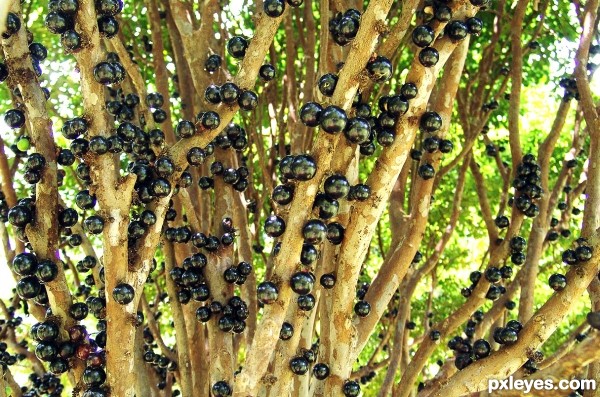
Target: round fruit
x,y
430,122
379,69
283,194
327,84
14,118
336,186
422,36
358,130
328,281
310,114
426,171
302,283
274,226
333,119
274,8
286,332
429,56
456,30
306,302
123,293
299,365
29,287
362,308
351,388
221,389
267,72
557,282
320,371
335,233
303,167
237,46
267,292
314,231
213,63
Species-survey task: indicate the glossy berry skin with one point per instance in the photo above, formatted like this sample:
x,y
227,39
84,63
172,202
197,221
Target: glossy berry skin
x,y
557,282
104,73
351,389
431,144
442,13
306,302
24,264
422,36
303,167
302,283
155,100
274,8
203,314
213,63
237,46
46,351
283,194
335,233
358,130
380,69
14,118
481,348
474,26
13,24
109,7
506,272
328,281
336,186
28,287
123,293
20,215
221,389
314,231
248,100
310,114
462,361
59,366
502,221
58,23
408,90
46,271
362,308
71,40
267,292
108,26
426,171
78,311
94,376
429,57
493,275
583,253
430,122
274,226
309,254
229,93
299,365
320,371
327,84
267,72
508,336
397,105
456,30
286,332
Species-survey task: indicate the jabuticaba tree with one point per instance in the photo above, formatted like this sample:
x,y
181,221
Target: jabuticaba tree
x,y
298,197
